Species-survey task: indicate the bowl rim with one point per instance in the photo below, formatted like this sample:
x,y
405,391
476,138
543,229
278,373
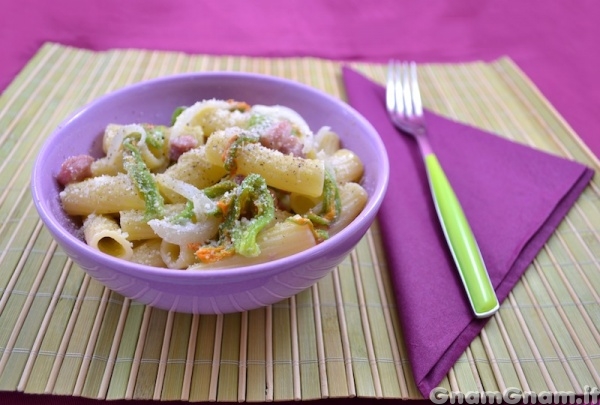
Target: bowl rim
x,y
260,269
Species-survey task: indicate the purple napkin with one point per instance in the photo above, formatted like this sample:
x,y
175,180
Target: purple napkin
x,y
513,196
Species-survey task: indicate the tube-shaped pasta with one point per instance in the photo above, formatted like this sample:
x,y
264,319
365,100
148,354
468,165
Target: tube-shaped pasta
x,y
112,162
110,132
190,121
101,195
137,227
280,240
148,253
204,117
107,167
285,172
353,198
155,158
301,203
327,141
346,165
193,168
176,256
103,233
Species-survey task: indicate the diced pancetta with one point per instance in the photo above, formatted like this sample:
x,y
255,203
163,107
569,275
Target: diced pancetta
x,y
181,144
75,168
280,137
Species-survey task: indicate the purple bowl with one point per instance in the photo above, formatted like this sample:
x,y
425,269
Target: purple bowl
x,y
206,291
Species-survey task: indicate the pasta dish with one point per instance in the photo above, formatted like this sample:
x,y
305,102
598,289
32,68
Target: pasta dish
x,y
226,184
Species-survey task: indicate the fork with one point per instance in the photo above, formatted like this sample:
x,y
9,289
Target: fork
x,y
405,109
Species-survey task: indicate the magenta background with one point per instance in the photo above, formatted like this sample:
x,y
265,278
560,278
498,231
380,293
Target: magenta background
x,y
556,43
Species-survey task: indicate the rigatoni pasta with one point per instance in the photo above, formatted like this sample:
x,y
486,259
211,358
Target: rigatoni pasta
x,y
147,252
103,233
286,172
346,165
281,240
101,195
225,184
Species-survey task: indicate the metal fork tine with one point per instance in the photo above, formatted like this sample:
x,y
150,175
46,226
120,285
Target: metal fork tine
x,y
408,107
401,92
416,93
398,90
390,88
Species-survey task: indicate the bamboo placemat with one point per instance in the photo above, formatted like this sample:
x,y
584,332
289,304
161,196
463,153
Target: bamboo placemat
x,y
63,333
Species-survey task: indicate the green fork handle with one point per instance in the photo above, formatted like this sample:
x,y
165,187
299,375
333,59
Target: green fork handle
x,y
461,241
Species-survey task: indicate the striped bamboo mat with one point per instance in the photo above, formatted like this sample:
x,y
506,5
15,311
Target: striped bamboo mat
x,y
61,332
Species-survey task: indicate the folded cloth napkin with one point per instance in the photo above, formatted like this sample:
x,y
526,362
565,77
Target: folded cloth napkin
x,y
513,196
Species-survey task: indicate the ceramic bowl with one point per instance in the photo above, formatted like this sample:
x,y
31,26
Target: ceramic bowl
x,y
207,291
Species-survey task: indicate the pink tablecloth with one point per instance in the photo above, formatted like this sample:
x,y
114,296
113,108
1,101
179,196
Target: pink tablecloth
x,y
555,43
